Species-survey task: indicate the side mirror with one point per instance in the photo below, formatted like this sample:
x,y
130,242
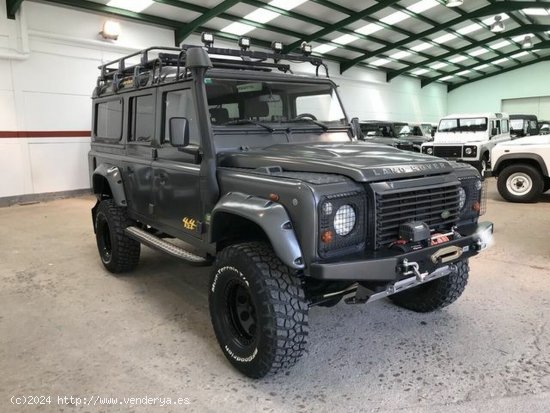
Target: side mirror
x,y
179,132
356,128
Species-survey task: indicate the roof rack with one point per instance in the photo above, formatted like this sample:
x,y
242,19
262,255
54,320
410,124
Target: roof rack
x,y
168,65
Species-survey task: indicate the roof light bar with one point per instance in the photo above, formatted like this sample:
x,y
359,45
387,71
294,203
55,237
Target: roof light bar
x,y
244,43
207,39
277,47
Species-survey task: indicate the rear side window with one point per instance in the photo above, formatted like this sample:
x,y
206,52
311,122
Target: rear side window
x,y
108,124
142,119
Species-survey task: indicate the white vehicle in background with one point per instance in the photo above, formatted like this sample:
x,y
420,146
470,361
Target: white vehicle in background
x,y
469,137
522,168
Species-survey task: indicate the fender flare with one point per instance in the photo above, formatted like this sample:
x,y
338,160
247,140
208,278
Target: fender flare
x,y
520,156
114,178
271,217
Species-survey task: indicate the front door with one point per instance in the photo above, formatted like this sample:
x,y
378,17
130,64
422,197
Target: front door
x,y
176,183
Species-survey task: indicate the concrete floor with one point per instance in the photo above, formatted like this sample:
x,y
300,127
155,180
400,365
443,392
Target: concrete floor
x,y
69,328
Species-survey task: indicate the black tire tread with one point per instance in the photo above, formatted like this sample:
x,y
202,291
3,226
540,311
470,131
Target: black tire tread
x,y
435,294
287,304
125,250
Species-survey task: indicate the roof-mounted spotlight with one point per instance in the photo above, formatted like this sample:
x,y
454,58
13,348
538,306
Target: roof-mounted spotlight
x,y
527,42
498,25
244,43
454,3
306,48
207,39
277,47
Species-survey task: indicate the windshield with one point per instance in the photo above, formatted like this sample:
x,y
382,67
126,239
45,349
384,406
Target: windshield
x,y
516,124
402,129
463,125
236,102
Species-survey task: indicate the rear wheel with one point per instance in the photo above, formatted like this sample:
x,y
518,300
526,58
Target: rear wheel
x,y
258,308
520,183
117,251
435,294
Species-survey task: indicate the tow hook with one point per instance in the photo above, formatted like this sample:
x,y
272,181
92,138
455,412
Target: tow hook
x,y
412,268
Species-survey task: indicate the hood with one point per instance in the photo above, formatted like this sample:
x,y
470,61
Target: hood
x,y
360,161
528,140
459,137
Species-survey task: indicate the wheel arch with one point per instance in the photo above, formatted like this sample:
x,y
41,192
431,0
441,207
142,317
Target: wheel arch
x,y
107,183
521,158
240,217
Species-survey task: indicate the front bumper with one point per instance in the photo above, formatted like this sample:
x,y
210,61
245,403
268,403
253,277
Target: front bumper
x,y
391,266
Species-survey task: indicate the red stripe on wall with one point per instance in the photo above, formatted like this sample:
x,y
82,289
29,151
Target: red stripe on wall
x,y
46,134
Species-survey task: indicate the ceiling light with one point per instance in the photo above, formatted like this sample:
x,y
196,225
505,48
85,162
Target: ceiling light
x,y
480,67
369,29
527,43
490,20
520,54
323,48
464,72
500,45
395,17
445,38
420,72
400,55
439,65
111,30
237,28
422,6
535,12
132,5
470,29
380,62
454,3
286,4
478,52
499,61
458,59
261,15
422,46
498,26
446,77
345,39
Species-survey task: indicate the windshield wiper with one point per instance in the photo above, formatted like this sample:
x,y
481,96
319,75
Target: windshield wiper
x,y
249,122
316,122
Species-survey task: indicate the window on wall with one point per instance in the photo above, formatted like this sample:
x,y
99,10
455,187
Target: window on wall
x,y
178,104
108,122
142,119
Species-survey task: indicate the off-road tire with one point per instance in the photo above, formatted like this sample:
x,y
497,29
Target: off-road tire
x,y
531,173
118,252
277,304
435,294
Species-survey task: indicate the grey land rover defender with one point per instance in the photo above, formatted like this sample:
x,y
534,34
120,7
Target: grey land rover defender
x,y
260,172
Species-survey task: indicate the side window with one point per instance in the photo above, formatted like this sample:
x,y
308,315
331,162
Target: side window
x,y
497,126
180,103
505,126
142,119
108,122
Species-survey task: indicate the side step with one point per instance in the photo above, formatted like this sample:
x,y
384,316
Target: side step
x,y
158,243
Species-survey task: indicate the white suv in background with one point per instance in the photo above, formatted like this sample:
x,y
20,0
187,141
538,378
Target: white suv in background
x,y
522,168
469,137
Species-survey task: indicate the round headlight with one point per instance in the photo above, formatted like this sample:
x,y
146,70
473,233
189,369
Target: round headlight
x,y
461,198
344,220
468,151
429,151
478,185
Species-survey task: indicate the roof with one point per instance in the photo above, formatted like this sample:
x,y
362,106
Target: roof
x,y
421,38
476,115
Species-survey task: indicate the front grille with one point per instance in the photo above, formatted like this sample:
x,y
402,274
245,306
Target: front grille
x,y
448,151
437,206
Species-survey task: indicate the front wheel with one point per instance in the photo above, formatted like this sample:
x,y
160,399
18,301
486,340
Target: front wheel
x,y
520,183
435,294
258,308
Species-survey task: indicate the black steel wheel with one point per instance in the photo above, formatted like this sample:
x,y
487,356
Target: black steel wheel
x,y
258,309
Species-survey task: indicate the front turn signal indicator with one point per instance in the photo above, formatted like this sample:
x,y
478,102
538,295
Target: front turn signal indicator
x,y
327,237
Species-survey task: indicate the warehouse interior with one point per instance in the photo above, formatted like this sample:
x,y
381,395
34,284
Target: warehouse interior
x,y
68,328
